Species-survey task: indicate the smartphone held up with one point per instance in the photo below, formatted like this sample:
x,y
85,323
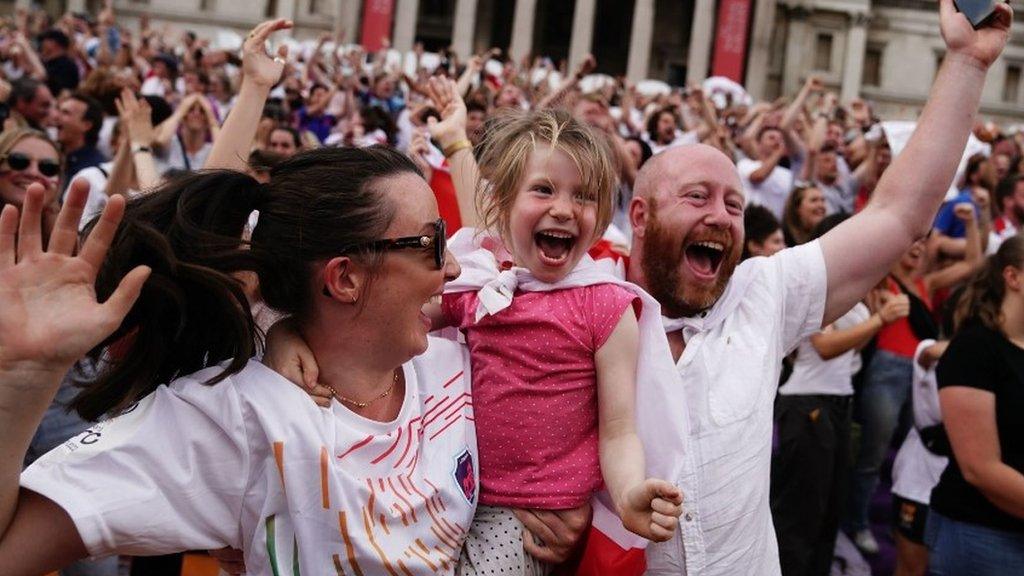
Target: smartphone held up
x,y
977,11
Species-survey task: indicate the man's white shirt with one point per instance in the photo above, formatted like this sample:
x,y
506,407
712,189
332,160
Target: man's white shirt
x,y
730,371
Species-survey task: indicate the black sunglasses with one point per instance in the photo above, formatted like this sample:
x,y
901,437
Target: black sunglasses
x,y
437,242
18,162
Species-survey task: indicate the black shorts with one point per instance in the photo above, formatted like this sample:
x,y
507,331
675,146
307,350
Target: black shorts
x,y
908,518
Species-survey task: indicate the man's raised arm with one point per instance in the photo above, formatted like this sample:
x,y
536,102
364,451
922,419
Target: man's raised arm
x,y
859,252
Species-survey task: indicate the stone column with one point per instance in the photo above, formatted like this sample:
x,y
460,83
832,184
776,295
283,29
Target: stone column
x,y
465,25
793,68
346,20
853,60
640,38
406,14
522,29
76,6
701,36
760,48
285,9
582,32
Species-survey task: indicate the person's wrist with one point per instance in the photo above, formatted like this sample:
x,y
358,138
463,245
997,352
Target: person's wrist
x,y
966,60
456,147
450,138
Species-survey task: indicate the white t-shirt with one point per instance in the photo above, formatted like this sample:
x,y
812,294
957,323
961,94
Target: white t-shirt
x,y
97,177
916,469
813,375
772,191
730,371
253,463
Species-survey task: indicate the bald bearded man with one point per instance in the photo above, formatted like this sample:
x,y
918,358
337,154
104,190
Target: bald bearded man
x,y
729,326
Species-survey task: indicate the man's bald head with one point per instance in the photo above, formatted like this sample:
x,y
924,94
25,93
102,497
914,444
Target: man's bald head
x,y
687,217
672,165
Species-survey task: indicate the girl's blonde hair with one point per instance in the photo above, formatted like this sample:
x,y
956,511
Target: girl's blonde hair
x,y
505,153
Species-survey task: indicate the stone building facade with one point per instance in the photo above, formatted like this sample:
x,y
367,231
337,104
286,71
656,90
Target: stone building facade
x,y
886,51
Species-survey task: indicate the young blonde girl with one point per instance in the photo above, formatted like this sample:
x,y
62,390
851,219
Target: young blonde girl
x,y
554,342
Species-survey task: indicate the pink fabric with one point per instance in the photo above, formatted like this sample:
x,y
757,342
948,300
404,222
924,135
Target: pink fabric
x,y
535,392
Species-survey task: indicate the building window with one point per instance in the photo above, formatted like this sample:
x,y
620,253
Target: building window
x,y
873,66
823,52
1011,83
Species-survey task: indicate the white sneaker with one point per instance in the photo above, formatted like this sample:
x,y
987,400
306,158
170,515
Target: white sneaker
x,y
865,540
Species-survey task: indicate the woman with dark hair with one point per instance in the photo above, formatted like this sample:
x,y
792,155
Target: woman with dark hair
x,y
284,141
805,208
349,243
762,233
976,523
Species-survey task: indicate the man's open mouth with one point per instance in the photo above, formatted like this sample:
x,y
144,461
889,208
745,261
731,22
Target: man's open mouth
x,y
705,257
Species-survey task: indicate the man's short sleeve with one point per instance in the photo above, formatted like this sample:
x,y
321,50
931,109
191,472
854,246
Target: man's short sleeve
x,y
804,284
746,167
168,475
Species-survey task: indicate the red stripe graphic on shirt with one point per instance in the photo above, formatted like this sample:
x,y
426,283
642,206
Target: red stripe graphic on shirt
x,y
454,378
356,446
389,450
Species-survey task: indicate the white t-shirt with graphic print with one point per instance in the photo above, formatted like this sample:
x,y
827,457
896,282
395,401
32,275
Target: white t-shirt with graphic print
x,y
253,463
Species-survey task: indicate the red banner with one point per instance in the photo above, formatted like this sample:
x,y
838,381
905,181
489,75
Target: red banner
x,y
377,16
731,39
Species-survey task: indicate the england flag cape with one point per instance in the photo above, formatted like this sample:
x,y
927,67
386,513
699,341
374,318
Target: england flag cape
x,y
660,412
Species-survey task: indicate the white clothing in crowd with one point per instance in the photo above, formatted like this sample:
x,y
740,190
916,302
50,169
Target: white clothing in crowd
x,y
813,375
730,369
772,191
916,469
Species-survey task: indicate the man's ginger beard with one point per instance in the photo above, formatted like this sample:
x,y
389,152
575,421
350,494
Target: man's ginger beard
x,y
662,258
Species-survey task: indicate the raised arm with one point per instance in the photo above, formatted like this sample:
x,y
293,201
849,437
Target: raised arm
x,y
259,74
450,134
49,318
860,251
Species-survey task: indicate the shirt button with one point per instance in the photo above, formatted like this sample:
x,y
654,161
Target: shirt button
x,y
689,517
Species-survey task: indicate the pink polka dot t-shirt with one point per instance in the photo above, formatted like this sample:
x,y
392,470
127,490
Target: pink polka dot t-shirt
x,y
535,391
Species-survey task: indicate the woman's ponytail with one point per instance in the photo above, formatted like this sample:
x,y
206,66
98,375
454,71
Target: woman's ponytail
x,y
192,312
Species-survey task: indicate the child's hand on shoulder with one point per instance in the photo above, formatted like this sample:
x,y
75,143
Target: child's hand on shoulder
x,y
288,355
651,509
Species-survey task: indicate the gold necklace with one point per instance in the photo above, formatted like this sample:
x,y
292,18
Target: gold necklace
x,y
358,404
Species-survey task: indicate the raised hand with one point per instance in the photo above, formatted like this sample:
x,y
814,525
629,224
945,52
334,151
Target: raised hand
x,y
446,99
136,117
257,65
983,45
893,307
49,315
651,509
965,212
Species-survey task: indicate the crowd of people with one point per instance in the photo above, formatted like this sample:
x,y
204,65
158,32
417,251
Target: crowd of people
x,y
322,311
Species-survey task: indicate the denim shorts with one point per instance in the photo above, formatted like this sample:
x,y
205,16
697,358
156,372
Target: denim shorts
x,y
965,549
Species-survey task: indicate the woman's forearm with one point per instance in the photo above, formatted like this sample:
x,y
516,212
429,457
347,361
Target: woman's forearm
x,y
1001,484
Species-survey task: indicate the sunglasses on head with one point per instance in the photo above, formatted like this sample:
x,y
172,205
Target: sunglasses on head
x,y
20,162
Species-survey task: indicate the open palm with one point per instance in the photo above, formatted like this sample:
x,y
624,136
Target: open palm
x,y
49,314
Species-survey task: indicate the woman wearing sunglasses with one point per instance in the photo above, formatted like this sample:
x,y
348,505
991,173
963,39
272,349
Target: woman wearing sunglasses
x,y
28,156
348,243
